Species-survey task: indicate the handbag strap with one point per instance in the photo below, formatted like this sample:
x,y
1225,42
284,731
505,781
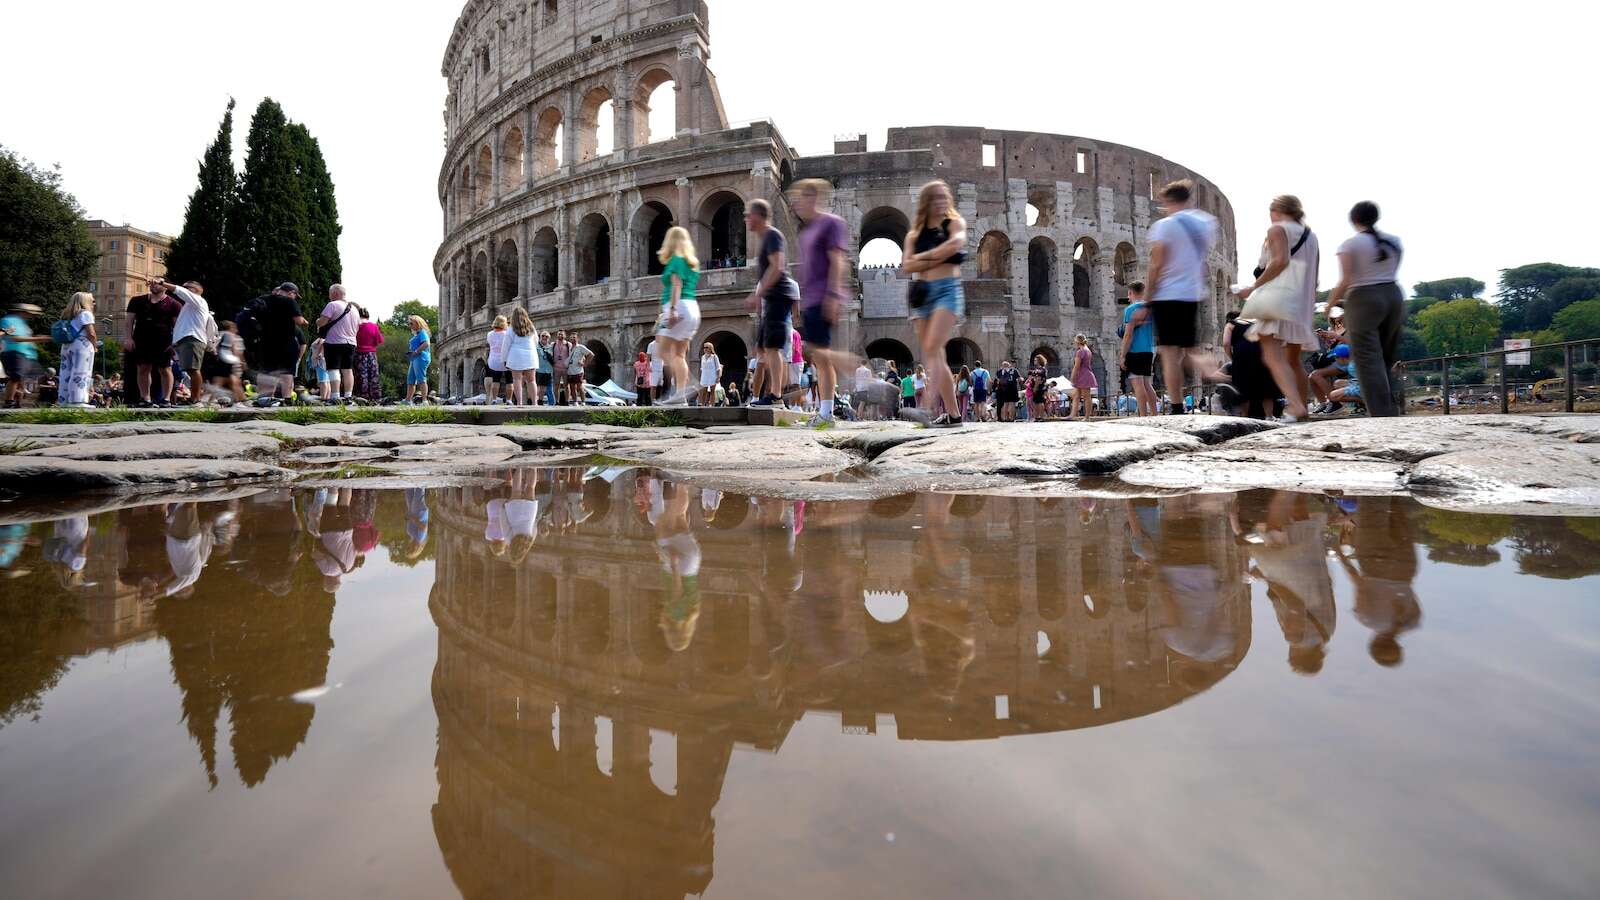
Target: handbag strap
x,y
1304,236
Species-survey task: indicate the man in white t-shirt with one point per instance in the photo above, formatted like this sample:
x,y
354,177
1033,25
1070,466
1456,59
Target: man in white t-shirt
x,y
1179,247
191,335
342,319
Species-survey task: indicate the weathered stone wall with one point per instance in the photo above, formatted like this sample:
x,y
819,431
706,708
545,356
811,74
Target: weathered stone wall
x,y
535,215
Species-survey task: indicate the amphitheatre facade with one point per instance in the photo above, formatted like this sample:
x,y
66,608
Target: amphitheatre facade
x,y
542,211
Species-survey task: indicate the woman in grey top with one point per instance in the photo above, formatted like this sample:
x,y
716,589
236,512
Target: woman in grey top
x,y
1374,310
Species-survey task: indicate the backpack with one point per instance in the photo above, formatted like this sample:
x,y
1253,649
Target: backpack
x,y
980,380
63,333
249,325
213,334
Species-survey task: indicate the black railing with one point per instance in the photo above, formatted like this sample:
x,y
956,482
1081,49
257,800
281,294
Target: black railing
x,y
1504,385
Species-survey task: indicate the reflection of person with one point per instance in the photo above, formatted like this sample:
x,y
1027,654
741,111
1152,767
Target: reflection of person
x,y
1197,623
679,553
416,522
497,532
68,548
522,525
941,618
335,551
1380,537
188,548
1290,558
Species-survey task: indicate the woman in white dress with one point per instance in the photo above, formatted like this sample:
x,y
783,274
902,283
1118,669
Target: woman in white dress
x,y
1283,301
77,356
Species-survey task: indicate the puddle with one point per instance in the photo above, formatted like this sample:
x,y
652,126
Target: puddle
x,y
597,682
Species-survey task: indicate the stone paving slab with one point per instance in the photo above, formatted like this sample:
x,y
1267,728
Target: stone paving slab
x,y
37,476
216,444
1226,470
1052,448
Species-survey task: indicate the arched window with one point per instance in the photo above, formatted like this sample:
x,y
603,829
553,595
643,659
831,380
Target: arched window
x,y
598,371
483,186
597,125
593,249
1042,272
722,215
1084,254
994,256
1127,268
508,273
464,202
513,168
1041,208
545,260
655,108
650,225
547,141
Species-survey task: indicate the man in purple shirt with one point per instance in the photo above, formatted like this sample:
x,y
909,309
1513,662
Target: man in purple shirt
x,y
824,264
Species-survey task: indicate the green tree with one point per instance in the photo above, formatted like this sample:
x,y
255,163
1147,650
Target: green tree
x,y
269,226
1580,321
1461,288
45,250
322,212
405,310
393,363
1459,327
1416,305
201,251
1412,345
1525,293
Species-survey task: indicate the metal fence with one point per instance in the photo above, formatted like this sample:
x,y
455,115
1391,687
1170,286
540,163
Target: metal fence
x,y
1505,388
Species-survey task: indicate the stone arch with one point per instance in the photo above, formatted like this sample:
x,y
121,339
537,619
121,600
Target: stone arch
x,y
891,350
1042,201
961,352
885,222
1052,359
994,256
649,232
722,218
593,249
598,371
1126,265
1041,272
547,140
545,261
480,282
483,181
656,87
513,164
731,351
591,123
508,273
1084,254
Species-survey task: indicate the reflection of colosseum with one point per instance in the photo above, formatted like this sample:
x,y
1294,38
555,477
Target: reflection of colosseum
x,y
578,752
541,210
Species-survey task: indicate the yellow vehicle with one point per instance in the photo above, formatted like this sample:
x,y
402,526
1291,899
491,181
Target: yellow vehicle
x,y
1540,388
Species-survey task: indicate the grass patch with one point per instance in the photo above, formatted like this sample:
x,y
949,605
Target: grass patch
x,y
20,445
347,472
359,415
52,416
617,418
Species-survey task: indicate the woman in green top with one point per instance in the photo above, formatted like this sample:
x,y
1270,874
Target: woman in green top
x,y
680,313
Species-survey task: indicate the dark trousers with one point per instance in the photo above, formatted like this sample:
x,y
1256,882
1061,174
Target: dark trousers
x,y
1374,319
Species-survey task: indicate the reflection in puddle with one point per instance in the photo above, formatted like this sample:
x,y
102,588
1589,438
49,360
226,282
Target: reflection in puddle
x,y
607,638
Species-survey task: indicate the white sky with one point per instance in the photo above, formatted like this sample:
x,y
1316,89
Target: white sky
x,y
1468,122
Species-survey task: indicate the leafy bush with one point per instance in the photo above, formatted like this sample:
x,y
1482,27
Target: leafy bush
x,y
1585,371
1469,375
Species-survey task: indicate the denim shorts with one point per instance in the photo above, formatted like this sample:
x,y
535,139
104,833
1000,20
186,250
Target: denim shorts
x,y
945,293
417,372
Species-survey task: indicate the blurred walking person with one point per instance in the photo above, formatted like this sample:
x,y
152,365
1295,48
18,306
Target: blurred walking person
x,y
1374,310
935,250
20,358
775,296
824,266
680,312
1139,349
1180,243
76,374
1283,302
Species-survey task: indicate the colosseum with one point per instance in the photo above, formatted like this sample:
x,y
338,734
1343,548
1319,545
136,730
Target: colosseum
x,y
556,192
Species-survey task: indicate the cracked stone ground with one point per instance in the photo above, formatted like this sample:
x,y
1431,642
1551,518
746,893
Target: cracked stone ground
x,y
1536,465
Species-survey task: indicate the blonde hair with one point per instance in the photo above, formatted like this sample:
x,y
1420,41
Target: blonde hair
x,y
1082,340
82,301
822,187
417,323
678,243
925,203
521,322
500,322
1289,205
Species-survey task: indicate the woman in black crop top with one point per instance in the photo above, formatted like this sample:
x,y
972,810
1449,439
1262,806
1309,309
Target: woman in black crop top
x,y
933,256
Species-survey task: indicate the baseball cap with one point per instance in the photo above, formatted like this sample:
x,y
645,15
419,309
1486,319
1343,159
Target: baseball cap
x,y
1342,351
288,287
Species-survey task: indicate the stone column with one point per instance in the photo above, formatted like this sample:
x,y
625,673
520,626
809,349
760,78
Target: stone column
x,y
566,261
622,117
687,217
524,260
569,129
527,145
494,169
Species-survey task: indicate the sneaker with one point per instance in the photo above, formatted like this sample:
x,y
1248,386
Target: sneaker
x,y
945,421
766,401
1330,408
820,423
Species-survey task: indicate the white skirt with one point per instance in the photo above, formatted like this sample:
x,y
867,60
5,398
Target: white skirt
x,y
688,321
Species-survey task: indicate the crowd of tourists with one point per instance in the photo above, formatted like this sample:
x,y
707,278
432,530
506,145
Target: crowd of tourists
x,y
176,352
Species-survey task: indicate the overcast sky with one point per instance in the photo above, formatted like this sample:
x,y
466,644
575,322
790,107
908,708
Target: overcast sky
x,y
1464,120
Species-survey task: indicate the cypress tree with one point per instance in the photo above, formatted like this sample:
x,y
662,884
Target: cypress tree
x,y
270,224
322,211
201,251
